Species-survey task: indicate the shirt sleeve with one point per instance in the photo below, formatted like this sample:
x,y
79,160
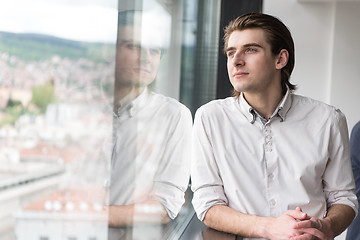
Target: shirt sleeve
x,y
172,178
338,178
206,182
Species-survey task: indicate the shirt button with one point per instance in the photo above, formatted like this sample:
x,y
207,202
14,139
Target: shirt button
x,y
271,176
268,149
272,202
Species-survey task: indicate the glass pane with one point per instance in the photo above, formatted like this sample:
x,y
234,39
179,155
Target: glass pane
x,y
151,155
57,61
94,114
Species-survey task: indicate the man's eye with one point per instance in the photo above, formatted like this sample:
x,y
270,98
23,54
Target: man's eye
x,y
133,46
230,54
155,51
251,50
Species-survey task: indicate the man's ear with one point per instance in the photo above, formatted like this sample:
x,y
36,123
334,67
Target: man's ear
x,y
282,59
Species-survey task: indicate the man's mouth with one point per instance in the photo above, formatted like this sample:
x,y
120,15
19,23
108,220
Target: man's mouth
x,y
240,74
142,70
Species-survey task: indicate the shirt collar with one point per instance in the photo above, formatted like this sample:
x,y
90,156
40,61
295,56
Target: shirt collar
x,y
246,109
281,110
285,105
132,106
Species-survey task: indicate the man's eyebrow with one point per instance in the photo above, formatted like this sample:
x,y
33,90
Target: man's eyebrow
x,y
229,49
245,46
122,41
252,45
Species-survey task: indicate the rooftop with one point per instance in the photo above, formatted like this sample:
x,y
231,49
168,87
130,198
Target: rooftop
x,y
81,200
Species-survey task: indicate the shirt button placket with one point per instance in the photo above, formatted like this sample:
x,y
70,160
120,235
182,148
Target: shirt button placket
x,y
268,139
271,169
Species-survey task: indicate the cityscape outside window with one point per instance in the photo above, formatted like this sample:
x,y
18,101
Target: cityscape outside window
x,y
57,82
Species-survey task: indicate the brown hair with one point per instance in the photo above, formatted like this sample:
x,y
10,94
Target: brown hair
x,y
278,36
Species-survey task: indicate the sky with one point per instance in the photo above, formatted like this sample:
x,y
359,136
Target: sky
x,y
83,20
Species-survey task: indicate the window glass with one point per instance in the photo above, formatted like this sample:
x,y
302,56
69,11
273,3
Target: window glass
x,y
96,104
57,61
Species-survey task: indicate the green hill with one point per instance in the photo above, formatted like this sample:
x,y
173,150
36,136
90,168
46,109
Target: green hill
x,y
34,47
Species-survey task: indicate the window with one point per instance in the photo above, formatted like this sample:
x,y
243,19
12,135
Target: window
x,y
60,96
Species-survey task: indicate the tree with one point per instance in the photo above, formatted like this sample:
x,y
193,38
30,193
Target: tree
x,y
13,103
43,95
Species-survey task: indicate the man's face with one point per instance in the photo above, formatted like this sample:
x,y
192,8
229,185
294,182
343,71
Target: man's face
x,y
137,64
252,67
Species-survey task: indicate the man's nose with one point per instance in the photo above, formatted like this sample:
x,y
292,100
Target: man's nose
x,y
145,54
238,59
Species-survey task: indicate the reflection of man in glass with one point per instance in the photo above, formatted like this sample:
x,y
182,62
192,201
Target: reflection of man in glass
x,y
137,60
150,170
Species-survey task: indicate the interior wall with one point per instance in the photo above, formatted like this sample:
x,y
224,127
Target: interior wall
x,y
345,87
327,49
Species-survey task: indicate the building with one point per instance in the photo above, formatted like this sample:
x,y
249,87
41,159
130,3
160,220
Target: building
x,y
73,214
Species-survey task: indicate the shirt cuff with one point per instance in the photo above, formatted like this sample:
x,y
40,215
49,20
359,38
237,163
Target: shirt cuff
x,y
170,196
343,197
206,197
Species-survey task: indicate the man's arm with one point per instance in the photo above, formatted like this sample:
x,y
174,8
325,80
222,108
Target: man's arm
x,y
149,212
338,185
338,218
226,219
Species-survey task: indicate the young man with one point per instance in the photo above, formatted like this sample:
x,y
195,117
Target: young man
x,y
268,163
150,168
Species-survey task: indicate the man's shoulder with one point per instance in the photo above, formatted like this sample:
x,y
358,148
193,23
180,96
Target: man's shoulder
x,y
356,128
167,104
355,132
312,103
316,108
218,104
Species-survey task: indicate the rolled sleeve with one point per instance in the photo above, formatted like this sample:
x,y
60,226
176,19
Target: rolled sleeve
x,y
207,197
342,197
206,181
172,178
338,178
170,196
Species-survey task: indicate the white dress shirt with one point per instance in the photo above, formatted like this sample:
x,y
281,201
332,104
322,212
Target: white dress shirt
x,y
299,157
151,152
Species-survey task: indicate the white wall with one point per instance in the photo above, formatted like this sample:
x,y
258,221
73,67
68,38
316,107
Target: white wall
x,y
327,47
345,89
327,42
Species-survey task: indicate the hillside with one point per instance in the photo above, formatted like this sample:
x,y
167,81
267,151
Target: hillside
x,y
34,47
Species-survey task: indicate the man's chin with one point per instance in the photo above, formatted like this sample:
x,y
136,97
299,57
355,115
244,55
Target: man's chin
x,y
134,83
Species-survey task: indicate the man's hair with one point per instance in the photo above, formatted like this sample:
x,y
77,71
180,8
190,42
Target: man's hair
x,y
135,19
129,18
277,34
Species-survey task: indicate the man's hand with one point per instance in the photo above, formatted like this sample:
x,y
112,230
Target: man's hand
x,y
315,227
226,219
286,225
293,224
148,212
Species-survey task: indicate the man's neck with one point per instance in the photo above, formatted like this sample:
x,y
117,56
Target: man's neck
x,y
126,92
264,103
